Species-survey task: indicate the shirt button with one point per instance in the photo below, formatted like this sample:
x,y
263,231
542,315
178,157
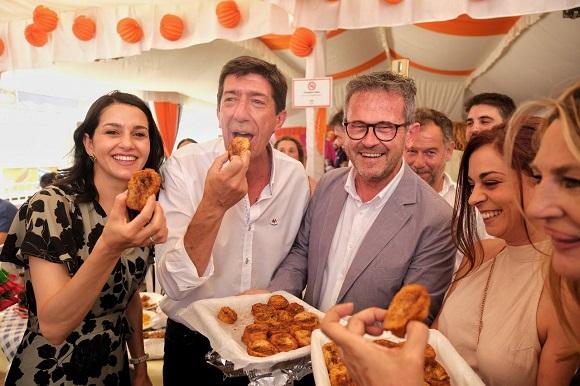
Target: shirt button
x,y
247,260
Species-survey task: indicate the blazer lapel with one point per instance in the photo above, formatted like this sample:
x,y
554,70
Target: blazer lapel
x,y
396,212
333,209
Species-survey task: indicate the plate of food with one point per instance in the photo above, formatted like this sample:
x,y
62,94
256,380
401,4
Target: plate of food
x,y
149,318
443,365
150,300
255,331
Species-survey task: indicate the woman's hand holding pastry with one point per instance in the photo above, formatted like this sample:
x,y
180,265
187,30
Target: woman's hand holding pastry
x,y
147,228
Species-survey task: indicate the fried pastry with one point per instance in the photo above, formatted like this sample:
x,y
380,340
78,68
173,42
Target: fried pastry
x,y
255,331
284,341
331,355
265,317
339,376
238,145
227,315
429,353
284,316
279,302
410,303
261,348
294,308
142,184
261,308
306,319
435,374
302,337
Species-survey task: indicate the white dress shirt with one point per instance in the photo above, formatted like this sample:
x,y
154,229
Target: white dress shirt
x,y
355,221
448,190
251,241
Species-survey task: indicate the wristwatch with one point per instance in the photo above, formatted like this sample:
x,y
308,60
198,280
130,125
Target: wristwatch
x,y
141,359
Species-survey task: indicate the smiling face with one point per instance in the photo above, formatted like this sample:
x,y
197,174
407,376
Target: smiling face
x,y
556,200
427,153
495,189
480,118
247,109
289,148
375,162
120,144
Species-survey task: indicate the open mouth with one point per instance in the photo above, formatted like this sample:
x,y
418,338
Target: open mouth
x,y
124,158
243,134
371,155
488,214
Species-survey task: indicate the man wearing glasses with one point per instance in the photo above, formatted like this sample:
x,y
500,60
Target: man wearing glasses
x,y
376,226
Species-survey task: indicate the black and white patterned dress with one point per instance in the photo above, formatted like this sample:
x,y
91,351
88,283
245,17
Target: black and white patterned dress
x,y
52,227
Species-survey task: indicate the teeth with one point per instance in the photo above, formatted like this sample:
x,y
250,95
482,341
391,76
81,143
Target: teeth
x,y
124,157
371,155
490,214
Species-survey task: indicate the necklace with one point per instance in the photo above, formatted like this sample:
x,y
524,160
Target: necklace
x,y
483,299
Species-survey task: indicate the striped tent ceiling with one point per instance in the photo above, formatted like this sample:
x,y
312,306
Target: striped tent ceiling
x,y
510,46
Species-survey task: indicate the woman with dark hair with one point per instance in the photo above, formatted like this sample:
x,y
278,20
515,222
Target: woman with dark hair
x,y
84,260
293,148
497,314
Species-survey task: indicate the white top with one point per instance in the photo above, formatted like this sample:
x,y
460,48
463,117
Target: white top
x,y
252,240
355,221
448,190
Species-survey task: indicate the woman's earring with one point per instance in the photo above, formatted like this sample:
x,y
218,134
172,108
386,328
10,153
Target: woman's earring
x,y
92,157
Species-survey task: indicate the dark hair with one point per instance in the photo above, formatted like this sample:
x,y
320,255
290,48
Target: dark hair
x,y
464,231
298,146
79,176
244,65
47,179
424,116
503,103
337,119
186,141
384,81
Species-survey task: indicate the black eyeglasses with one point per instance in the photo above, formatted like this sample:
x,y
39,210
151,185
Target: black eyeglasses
x,y
384,131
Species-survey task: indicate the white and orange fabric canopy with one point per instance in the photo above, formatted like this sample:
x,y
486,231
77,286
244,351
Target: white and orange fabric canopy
x,y
525,49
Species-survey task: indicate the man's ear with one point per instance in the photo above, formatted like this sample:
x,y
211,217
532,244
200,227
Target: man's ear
x,y
449,151
280,119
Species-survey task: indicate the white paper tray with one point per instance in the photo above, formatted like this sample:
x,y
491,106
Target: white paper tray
x,y
459,371
226,339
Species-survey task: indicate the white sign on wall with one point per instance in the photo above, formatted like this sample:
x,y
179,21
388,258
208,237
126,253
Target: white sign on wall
x,y
314,92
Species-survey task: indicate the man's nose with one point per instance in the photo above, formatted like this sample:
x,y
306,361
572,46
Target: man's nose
x,y
241,110
370,139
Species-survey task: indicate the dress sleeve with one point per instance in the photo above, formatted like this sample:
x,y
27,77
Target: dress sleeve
x,y
43,230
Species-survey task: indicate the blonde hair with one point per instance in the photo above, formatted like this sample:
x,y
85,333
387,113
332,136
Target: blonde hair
x,y
566,109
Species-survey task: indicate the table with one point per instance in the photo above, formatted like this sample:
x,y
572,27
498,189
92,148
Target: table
x,y
12,327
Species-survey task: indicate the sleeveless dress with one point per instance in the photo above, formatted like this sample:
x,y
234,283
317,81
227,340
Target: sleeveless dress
x,y
508,350
53,227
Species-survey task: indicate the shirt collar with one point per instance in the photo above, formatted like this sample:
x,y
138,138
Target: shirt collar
x,y
383,195
448,184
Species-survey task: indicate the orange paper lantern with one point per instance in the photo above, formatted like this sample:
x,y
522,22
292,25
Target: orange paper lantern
x,y
1,47
129,30
35,35
45,18
302,42
393,1
228,14
171,27
84,28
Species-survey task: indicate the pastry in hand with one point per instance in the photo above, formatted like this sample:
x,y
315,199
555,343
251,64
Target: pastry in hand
x,y
142,184
227,315
238,145
410,303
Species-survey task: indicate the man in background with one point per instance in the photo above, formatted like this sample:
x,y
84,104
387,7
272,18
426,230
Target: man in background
x,y
487,110
429,148
7,213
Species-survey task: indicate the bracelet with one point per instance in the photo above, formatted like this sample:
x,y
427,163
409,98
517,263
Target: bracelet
x,y
141,359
